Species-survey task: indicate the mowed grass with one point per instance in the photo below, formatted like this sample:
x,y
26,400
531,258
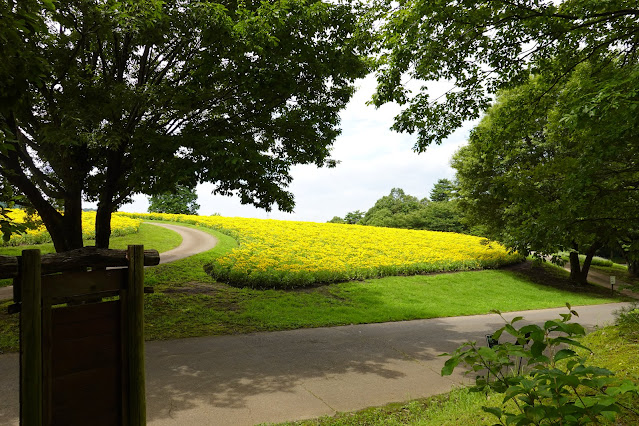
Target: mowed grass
x,y
187,302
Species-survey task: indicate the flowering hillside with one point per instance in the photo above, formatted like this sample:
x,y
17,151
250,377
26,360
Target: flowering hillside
x,y
120,225
285,254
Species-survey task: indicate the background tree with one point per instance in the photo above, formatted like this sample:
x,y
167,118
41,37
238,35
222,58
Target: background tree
x,y
182,201
354,217
559,173
400,210
482,46
336,219
139,96
391,210
443,190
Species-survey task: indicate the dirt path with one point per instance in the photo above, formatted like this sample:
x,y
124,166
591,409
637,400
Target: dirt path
x,y
194,241
603,280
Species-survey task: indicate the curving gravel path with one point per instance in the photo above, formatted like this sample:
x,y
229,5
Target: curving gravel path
x,y
194,241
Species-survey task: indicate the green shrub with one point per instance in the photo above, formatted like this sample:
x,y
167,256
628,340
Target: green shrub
x,y
560,388
628,321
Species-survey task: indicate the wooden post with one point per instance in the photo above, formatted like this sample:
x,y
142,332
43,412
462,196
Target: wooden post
x,y
31,339
134,336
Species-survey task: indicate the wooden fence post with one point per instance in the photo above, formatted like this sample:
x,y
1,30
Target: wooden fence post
x,y
31,339
134,336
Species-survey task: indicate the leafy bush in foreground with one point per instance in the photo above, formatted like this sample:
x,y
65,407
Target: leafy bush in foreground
x,y
560,389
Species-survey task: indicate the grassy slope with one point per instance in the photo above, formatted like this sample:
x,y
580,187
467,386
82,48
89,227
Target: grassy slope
x,y
188,302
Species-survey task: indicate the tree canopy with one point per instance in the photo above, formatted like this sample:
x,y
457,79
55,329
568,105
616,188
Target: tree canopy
x,y
128,97
443,190
183,200
401,210
554,167
482,46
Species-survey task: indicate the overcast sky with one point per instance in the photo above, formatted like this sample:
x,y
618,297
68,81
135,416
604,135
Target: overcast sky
x,y
373,160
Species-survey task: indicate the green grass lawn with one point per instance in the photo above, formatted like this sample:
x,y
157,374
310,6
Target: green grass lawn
x,y
187,302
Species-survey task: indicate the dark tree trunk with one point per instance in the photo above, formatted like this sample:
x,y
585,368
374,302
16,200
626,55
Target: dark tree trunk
x,y
579,273
72,222
576,274
633,267
103,225
108,203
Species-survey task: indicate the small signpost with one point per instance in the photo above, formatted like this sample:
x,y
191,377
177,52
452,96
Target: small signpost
x,y
613,281
81,335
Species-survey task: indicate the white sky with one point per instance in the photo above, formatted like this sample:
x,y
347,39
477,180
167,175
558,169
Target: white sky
x,y
373,160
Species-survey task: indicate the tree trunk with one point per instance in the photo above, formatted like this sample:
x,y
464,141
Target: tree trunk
x,y
103,225
578,273
633,267
72,222
106,205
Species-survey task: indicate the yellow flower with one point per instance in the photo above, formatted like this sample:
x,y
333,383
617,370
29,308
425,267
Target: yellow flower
x,y
120,225
275,253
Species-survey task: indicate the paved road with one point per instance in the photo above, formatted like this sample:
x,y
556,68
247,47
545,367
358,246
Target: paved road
x,y
278,376
194,241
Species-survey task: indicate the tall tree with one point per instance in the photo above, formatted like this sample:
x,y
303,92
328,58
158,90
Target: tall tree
x,y
482,46
390,210
183,200
555,166
139,96
443,190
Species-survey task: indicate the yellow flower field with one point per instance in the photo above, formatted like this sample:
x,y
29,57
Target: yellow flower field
x,y
120,225
275,253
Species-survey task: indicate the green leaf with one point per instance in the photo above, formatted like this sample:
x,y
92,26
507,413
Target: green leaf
x,y
564,353
512,392
487,353
495,411
450,365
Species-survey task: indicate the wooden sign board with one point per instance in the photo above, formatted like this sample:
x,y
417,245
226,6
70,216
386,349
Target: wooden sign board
x,y
81,358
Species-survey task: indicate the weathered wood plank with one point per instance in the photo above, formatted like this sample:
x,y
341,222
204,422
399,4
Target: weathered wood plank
x,y
87,257
92,257
78,283
90,397
133,338
9,267
87,320
47,361
31,339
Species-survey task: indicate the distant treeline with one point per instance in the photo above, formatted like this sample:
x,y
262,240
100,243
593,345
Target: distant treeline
x,y
440,212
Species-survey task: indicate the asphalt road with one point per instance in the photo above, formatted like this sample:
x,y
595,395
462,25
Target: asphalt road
x,y
288,375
